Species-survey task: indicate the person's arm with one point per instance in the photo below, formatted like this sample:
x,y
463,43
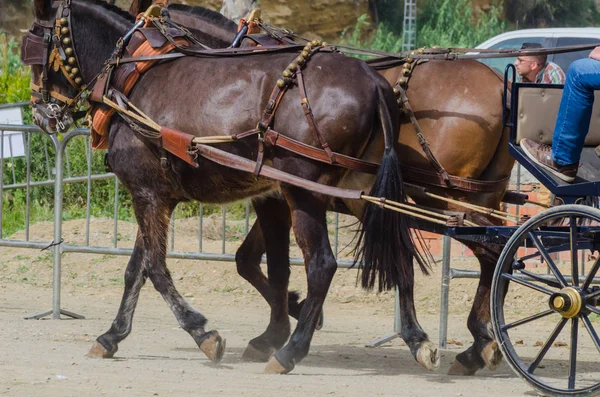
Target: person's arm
x,y
595,54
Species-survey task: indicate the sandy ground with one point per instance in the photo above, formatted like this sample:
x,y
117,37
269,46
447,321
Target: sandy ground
x,y
47,357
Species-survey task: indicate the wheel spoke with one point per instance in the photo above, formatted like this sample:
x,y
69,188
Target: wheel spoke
x,y
591,331
527,319
573,358
591,274
593,309
527,284
573,239
593,295
547,345
540,247
549,283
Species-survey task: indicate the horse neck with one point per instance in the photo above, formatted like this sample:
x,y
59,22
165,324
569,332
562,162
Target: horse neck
x,y
95,30
215,34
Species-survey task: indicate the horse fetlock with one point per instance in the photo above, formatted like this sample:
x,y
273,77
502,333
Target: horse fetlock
x,y
256,354
491,355
98,350
458,369
213,346
428,356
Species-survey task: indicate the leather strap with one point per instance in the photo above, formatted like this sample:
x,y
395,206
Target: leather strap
x,y
36,89
240,163
274,138
420,176
260,156
422,141
311,120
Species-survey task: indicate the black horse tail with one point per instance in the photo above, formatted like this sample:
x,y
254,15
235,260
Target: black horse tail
x,y
387,248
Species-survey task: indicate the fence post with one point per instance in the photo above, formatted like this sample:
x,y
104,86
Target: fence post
x,y
446,247
56,244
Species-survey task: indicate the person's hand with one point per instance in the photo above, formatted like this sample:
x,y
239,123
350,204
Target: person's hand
x,y
595,54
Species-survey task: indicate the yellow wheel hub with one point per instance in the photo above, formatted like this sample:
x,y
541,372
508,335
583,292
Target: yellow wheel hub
x,y
567,302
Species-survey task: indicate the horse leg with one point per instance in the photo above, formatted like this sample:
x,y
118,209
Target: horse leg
x,y
485,351
270,233
423,350
135,276
310,229
155,221
153,216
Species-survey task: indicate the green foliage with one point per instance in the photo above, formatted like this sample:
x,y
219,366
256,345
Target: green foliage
x,y
362,35
551,13
451,24
446,23
14,77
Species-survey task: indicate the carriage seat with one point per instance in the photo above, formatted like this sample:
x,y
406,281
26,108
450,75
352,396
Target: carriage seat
x,y
538,109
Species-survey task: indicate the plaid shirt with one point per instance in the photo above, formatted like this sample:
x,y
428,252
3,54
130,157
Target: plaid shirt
x,y
551,74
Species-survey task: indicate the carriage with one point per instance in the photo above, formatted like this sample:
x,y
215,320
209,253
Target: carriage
x,y
158,181
570,229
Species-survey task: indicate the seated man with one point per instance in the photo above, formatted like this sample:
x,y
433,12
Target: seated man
x,y
573,121
537,69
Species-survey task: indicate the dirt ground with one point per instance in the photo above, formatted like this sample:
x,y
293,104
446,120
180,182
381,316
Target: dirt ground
x,y
47,357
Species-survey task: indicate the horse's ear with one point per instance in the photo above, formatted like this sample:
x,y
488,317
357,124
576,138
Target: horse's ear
x,y
41,9
138,6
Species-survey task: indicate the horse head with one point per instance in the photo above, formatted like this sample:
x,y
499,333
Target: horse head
x,y
65,54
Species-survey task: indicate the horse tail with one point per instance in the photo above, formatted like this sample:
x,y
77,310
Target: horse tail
x,y
385,245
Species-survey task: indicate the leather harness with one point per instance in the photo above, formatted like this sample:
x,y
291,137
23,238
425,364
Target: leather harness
x,y
150,44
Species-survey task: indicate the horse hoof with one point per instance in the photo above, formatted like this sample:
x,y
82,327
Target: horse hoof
x,y
99,351
275,367
213,347
492,356
460,370
428,356
253,354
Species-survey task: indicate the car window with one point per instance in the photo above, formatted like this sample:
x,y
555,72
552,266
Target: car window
x,y
564,60
510,44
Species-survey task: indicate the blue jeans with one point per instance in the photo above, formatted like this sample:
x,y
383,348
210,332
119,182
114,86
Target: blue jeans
x,y
575,112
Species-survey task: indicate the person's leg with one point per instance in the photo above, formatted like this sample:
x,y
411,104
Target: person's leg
x,y
573,121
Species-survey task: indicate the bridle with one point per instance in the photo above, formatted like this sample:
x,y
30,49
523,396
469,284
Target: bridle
x,y
55,50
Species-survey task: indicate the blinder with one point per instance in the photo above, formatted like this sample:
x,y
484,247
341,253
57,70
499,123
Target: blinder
x,y
33,48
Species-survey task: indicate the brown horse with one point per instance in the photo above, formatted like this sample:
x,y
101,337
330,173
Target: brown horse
x,y
213,96
458,105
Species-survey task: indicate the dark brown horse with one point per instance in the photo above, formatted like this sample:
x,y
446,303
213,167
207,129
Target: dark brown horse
x,y
213,96
459,107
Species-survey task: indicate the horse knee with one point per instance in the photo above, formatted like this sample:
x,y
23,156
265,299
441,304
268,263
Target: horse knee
x,y
323,273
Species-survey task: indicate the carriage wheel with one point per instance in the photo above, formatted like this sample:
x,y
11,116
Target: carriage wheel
x,y
546,319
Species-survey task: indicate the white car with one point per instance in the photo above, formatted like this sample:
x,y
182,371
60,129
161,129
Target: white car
x,y
548,38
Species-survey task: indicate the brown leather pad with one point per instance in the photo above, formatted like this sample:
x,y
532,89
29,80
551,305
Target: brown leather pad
x,y
178,143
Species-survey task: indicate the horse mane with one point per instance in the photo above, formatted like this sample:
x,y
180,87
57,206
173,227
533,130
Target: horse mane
x,y
205,13
111,7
